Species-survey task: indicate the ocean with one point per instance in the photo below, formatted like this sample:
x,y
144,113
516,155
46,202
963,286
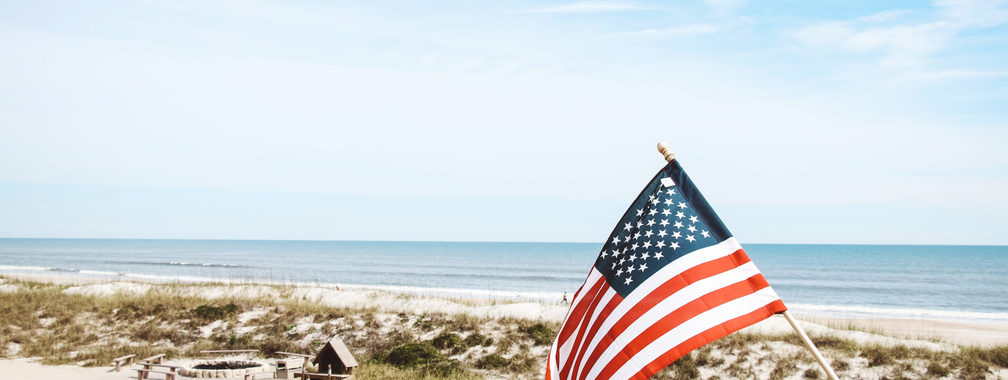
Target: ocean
x,y
871,281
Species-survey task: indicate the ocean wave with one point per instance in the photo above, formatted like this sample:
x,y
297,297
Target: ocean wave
x,y
99,273
177,264
470,275
56,269
187,279
24,268
460,292
187,264
70,270
871,311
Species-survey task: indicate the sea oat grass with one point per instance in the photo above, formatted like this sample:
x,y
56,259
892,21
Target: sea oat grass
x,y
785,367
47,321
370,370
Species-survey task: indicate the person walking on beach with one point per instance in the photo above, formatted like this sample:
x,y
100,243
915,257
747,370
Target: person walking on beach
x,y
564,299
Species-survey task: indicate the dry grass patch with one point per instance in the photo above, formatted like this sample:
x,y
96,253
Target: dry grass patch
x,y
62,328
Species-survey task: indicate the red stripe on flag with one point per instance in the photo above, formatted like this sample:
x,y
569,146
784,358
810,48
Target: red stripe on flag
x,y
672,285
582,326
613,302
682,314
710,335
577,313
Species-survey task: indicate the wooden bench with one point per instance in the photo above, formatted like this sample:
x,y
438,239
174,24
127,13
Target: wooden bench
x,y
117,362
154,359
322,376
144,373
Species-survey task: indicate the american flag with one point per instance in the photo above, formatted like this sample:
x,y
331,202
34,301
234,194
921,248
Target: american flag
x,y
669,279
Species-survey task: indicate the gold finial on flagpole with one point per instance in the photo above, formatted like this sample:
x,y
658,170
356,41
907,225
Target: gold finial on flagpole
x,y
663,148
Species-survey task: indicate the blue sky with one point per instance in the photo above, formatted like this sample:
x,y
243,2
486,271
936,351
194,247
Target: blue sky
x,y
802,122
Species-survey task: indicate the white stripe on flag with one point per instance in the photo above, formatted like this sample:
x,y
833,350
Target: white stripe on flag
x,y
572,350
694,326
593,277
671,270
667,306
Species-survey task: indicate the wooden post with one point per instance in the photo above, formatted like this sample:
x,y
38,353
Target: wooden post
x,y
663,148
811,346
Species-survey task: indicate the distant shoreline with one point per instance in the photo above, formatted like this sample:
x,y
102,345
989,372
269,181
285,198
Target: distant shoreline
x,y
597,243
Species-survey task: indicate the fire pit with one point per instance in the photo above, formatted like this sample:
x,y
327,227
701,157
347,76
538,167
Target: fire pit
x,y
224,368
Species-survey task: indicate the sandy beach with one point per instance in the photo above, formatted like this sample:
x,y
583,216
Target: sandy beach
x,y
373,322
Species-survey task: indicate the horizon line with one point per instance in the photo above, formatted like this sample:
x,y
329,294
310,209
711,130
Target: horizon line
x,y
471,241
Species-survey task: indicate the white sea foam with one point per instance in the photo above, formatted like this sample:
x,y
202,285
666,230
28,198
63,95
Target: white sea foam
x,y
23,268
186,279
99,273
884,312
188,264
848,311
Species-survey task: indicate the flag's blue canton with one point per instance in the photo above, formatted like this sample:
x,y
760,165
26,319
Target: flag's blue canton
x,y
668,220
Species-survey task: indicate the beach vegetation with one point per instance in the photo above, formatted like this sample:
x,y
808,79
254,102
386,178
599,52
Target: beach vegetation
x,y
425,323
475,339
971,368
539,333
63,326
492,361
449,341
840,365
519,363
381,371
213,313
444,369
785,367
682,369
463,322
881,355
996,355
704,357
829,342
901,371
413,354
425,358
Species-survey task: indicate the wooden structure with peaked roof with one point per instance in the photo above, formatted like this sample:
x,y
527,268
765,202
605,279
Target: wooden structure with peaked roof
x,y
335,358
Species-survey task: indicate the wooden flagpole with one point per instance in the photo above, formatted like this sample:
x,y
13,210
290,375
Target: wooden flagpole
x,y
663,148
811,346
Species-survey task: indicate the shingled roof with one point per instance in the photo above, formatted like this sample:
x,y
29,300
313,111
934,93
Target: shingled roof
x,y
336,346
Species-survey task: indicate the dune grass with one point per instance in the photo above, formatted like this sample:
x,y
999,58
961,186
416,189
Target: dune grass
x,y
43,320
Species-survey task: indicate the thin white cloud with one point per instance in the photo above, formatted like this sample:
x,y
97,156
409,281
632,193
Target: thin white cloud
x,y
883,16
684,30
958,74
974,13
725,7
592,7
906,44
